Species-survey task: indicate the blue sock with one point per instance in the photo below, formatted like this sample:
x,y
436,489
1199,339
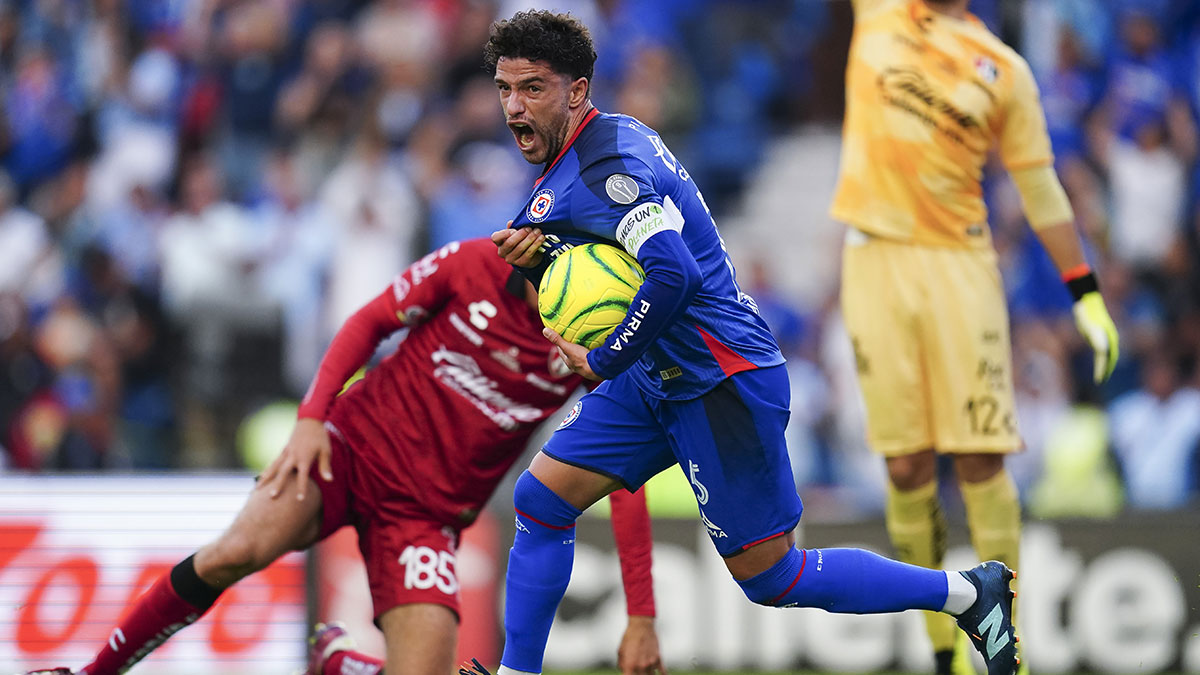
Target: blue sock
x,y
539,568
847,581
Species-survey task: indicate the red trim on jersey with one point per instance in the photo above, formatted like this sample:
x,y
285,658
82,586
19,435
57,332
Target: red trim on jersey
x,y
552,527
631,530
586,118
803,560
730,361
756,543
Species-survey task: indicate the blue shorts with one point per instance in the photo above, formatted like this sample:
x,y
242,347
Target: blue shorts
x,y
729,442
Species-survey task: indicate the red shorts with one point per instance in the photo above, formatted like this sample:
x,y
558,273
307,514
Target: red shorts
x,y
409,559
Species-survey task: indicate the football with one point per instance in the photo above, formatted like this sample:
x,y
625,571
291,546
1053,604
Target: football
x,y
586,291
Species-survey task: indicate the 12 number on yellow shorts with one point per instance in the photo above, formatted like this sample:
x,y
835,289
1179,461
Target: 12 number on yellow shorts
x,y
929,326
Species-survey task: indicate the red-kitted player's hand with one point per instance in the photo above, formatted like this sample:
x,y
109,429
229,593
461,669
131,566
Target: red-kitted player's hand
x,y
309,443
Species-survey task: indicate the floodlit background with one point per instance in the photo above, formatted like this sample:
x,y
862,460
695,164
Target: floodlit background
x,y
195,193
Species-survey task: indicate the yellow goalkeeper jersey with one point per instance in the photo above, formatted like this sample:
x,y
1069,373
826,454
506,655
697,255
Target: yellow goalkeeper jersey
x,y
927,98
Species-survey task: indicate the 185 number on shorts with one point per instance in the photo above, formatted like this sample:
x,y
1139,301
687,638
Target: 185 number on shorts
x,y
425,568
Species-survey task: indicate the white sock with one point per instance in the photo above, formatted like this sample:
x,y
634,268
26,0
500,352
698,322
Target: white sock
x,y
961,595
505,670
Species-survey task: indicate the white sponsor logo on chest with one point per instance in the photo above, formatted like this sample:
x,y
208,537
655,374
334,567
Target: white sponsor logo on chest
x,y
462,374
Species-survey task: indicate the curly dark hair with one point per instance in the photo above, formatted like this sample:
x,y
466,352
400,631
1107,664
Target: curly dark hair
x,y
560,40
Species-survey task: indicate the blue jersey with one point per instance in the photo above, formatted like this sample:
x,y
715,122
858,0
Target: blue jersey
x,y
690,326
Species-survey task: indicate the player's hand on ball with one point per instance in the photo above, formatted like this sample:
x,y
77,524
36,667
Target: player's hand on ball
x,y
309,443
1096,326
520,247
638,653
575,356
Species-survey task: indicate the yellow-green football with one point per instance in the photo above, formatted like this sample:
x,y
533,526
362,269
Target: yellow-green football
x,y
586,291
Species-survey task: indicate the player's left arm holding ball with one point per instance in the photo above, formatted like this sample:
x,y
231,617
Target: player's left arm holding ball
x,y
650,230
1025,149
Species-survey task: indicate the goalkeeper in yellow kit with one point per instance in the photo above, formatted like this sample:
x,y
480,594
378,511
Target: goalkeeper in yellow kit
x,y
930,92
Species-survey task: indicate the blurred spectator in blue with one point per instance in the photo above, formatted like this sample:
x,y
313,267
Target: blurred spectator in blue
x,y
1189,57
791,329
1156,435
1069,92
319,106
249,40
41,120
1142,88
624,31
742,83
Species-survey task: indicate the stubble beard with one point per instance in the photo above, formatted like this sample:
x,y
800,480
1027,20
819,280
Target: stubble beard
x,y
556,136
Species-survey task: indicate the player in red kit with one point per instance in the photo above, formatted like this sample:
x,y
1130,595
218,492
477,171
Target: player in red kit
x,y
408,455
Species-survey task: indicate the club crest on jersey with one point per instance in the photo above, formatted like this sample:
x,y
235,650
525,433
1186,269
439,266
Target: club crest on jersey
x,y
540,207
571,416
621,188
986,69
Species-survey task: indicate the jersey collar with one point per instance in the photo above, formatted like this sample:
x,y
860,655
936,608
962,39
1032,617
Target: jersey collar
x,y
586,118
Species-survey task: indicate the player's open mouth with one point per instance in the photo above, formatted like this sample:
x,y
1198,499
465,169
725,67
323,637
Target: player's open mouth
x,y
524,135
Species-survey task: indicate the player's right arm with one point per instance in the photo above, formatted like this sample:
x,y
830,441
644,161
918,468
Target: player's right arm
x,y
414,296
1025,149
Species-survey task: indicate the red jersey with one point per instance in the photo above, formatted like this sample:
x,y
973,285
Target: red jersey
x,y
446,415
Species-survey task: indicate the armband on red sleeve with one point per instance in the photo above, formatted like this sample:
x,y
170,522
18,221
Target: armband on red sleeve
x,y
350,349
631,529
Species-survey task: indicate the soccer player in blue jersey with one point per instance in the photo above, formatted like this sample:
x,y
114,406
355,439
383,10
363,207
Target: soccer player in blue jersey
x,y
691,377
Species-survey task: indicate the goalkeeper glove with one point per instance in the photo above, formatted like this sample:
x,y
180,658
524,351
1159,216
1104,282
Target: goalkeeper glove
x,y
1094,323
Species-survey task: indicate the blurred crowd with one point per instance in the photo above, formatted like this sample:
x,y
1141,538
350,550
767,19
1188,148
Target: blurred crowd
x,y
196,193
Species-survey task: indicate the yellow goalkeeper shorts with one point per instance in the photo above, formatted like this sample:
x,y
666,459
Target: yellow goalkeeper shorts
x,y
929,326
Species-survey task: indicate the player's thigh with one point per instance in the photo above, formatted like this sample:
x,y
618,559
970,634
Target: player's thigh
x,y
422,639
612,431
263,530
881,299
730,444
969,355
409,561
